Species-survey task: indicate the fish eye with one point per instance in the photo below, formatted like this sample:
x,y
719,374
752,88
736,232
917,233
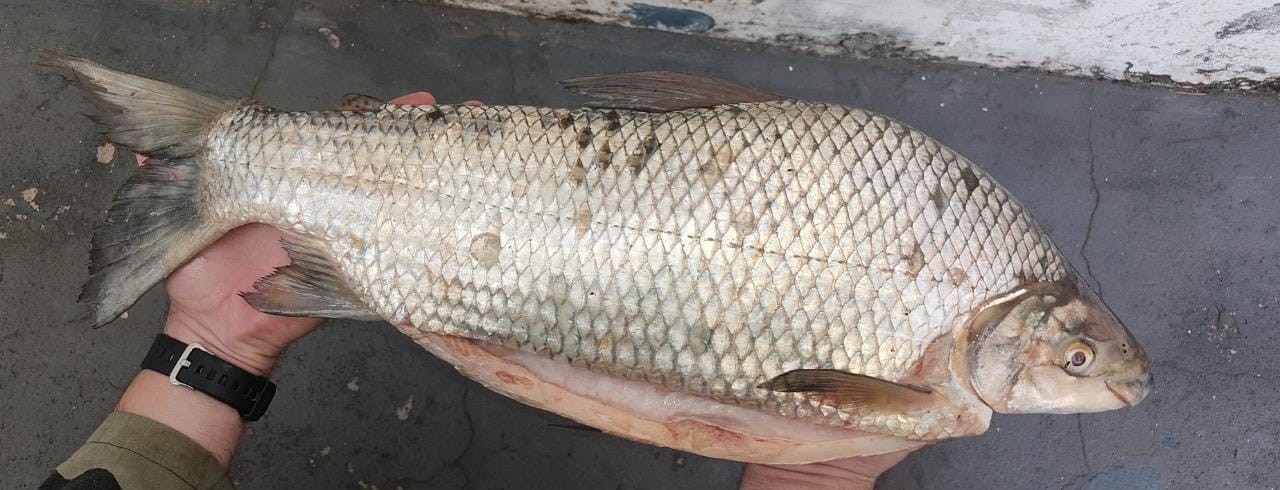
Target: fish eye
x,y
1078,357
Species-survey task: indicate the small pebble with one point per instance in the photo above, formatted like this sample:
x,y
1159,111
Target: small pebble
x,y
106,153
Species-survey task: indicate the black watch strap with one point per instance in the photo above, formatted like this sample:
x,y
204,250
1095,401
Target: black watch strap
x,y
193,367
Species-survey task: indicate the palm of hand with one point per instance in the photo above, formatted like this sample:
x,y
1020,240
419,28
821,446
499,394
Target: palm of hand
x,y
204,296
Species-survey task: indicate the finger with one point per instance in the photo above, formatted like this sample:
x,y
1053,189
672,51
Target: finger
x,y
142,160
473,103
416,98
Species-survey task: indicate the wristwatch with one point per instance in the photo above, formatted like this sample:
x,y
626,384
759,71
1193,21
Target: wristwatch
x,y
193,367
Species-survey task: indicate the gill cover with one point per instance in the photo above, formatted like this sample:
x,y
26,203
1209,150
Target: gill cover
x,y
1054,348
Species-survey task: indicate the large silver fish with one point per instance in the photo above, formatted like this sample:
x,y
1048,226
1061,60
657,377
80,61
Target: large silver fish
x,y
686,262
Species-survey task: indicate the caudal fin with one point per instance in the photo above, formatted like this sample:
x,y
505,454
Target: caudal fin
x,y
155,224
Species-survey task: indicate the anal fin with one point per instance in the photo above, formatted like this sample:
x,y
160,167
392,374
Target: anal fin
x,y
849,391
309,286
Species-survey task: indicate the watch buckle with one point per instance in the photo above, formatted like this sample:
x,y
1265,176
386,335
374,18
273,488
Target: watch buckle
x,y
184,362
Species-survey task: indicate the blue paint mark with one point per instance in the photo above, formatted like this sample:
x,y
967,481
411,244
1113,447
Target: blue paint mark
x,y
653,16
1126,479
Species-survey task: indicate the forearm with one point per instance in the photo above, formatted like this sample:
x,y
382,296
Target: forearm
x,y
210,423
164,434
213,425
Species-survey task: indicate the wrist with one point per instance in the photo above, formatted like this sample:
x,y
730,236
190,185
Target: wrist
x,y
252,355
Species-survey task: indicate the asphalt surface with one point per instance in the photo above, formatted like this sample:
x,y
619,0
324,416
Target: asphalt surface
x,y
1166,201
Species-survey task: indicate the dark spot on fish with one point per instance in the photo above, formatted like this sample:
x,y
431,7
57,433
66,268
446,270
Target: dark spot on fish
x,y
641,155
614,123
940,202
711,172
578,173
650,145
722,154
565,120
699,337
915,261
582,220
584,137
735,110
970,179
604,155
744,222
1026,277
434,114
777,135
957,276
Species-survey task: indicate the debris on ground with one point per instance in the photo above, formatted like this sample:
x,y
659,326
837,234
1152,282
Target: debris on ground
x,y
106,153
402,413
29,195
334,41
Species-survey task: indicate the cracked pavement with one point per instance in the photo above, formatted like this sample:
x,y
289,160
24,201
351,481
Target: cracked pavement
x,y
1171,196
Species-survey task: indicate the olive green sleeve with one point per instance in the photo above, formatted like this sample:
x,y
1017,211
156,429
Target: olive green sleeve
x,y
142,453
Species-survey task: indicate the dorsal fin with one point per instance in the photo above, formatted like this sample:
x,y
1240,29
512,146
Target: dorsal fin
x,y
851,391
359,103
661,91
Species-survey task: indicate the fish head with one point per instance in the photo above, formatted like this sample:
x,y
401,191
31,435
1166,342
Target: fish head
x,y
1054,348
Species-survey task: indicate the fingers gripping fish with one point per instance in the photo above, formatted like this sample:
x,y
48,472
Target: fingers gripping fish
x,y
684,261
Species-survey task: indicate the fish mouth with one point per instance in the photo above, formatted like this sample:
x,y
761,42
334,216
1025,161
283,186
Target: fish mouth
x,y
1131,391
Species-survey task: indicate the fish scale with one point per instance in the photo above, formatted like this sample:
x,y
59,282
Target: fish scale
x,y
707,250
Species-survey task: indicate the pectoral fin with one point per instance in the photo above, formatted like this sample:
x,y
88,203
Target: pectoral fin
x,y
849,391
359,103
309,286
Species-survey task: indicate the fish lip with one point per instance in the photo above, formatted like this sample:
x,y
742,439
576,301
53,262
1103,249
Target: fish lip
x,y
1118,394
1130,391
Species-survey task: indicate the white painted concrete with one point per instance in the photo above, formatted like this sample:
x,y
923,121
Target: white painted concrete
x,y
1191,42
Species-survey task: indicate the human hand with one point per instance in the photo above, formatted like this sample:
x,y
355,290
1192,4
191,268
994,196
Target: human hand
x,y
848,473
204,295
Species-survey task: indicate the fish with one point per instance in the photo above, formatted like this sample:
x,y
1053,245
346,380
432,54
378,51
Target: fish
x,y
680,261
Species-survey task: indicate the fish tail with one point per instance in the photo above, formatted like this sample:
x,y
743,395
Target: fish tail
x,y
155,223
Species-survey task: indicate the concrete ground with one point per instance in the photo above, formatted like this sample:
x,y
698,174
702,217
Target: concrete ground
x,y
1167,200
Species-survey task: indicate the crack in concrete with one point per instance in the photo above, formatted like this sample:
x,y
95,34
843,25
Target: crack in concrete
x,y
1097,199
1084,449
271,55
471,435
456,462
1217,372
